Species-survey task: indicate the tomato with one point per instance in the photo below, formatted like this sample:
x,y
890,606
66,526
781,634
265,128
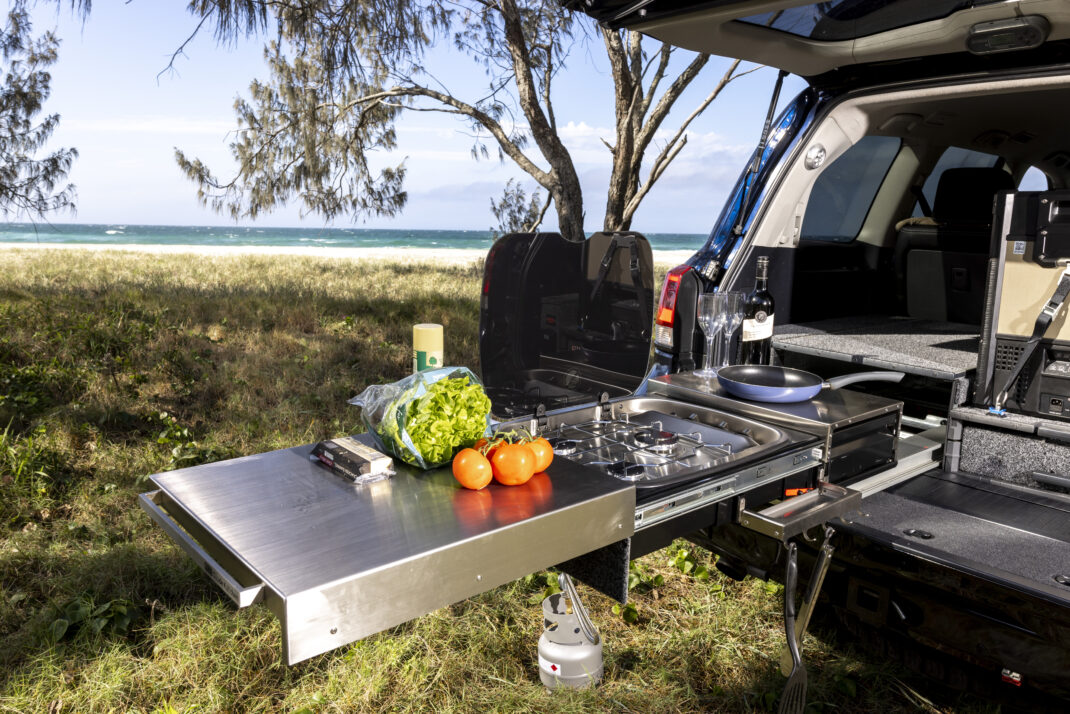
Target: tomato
x,y
544,453
481,447
513,464
472,469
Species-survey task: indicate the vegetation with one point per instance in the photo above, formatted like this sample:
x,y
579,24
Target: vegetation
x,y
344,71
30,185
113,367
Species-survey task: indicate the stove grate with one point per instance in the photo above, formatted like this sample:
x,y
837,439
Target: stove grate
x,y
633,452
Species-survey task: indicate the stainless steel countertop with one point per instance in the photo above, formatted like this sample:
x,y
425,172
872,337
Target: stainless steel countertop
x,y
300,526
337,562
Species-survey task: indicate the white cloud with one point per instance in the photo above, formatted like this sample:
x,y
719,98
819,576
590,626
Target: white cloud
x,y
150,124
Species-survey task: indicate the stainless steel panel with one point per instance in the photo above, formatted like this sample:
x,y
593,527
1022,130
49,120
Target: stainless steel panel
x,y
243,588
323,618
357,559
735,483
795,516
830,409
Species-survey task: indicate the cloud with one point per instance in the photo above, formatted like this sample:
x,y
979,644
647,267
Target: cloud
x,y
706,153
150,124
483,190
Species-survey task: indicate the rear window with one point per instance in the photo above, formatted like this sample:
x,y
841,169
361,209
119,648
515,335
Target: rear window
x,y
1034,180
953,158
844,191
848,19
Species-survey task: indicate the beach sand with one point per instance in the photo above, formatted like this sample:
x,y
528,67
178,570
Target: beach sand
x,y
408,255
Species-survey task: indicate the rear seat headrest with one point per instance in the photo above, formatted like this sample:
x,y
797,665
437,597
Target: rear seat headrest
x,y
965,195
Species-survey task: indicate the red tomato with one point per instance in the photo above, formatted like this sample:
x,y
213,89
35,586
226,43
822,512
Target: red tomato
x,y
472,469
513,464
481,447
544,453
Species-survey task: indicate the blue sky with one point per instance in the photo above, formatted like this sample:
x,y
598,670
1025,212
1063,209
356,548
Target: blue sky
x,y
126,121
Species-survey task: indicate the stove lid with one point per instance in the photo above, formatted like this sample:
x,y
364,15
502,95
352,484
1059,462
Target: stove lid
x,y
563,323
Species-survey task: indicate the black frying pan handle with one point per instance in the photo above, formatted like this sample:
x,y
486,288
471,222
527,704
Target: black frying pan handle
x,y
837,382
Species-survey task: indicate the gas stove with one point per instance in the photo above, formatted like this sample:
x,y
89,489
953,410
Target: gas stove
x,y
680,456
651,446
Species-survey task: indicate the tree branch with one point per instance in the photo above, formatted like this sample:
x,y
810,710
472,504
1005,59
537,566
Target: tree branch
x,y
663,64
655,174
678,140
664,105
488,122
181,49
545,137
542,213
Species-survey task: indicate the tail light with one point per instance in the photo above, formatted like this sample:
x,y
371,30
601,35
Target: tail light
x,y
666,312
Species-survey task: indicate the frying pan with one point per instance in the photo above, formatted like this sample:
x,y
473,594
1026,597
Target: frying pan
x,y
763,383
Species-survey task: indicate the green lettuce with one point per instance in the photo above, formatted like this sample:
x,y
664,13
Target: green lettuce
x,y
452,413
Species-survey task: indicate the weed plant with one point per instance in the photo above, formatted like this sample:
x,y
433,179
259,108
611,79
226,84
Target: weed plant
x,y
116,366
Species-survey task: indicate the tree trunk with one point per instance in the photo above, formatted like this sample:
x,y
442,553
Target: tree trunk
x,y
568,201
565,182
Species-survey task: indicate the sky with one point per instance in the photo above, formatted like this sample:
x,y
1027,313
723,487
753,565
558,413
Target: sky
x,y
126,119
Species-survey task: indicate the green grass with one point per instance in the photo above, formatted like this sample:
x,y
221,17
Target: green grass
x,y
116,366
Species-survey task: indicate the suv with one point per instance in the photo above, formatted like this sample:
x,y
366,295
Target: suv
x,y
873,199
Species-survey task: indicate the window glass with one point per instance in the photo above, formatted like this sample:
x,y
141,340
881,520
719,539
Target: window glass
x,y
953,158
849,19
1034,180
845,190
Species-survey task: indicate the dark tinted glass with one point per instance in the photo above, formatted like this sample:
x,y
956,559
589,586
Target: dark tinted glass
x,y
845,190
953,158
562,323
848,19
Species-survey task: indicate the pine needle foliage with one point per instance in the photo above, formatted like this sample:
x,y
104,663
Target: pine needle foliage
x,y
31,184
343,72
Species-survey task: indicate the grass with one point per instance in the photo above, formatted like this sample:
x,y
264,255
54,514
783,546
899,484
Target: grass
x,y
116,366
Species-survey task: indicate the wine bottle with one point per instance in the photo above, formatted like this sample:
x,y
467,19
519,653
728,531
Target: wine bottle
x,y
756,342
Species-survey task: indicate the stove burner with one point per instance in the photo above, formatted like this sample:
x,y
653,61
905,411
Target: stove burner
x,y
626,470
656,440
565,447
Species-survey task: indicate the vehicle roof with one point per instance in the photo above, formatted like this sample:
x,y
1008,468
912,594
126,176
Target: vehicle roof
x,y
811,39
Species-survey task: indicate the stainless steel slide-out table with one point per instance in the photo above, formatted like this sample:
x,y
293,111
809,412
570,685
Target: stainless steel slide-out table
x,y
336,562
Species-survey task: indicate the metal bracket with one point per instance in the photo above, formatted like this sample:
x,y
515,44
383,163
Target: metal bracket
x,y
540,418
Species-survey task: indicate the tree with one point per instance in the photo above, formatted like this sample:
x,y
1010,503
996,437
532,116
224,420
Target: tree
x,y
343,71
29,185
515,211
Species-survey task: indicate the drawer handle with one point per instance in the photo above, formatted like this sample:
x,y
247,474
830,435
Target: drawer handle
x,y
242,595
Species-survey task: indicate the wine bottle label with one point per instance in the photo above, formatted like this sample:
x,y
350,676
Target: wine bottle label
x,y
760,327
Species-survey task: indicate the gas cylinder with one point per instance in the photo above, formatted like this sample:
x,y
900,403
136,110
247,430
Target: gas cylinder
x,y
570,648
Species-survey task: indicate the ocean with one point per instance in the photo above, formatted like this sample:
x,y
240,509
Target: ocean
x,y
106,234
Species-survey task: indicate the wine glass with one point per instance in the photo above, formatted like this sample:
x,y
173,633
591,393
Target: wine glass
x,y
733,309
711,318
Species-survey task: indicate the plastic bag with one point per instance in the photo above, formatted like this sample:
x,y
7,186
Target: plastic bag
x,y
424,418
